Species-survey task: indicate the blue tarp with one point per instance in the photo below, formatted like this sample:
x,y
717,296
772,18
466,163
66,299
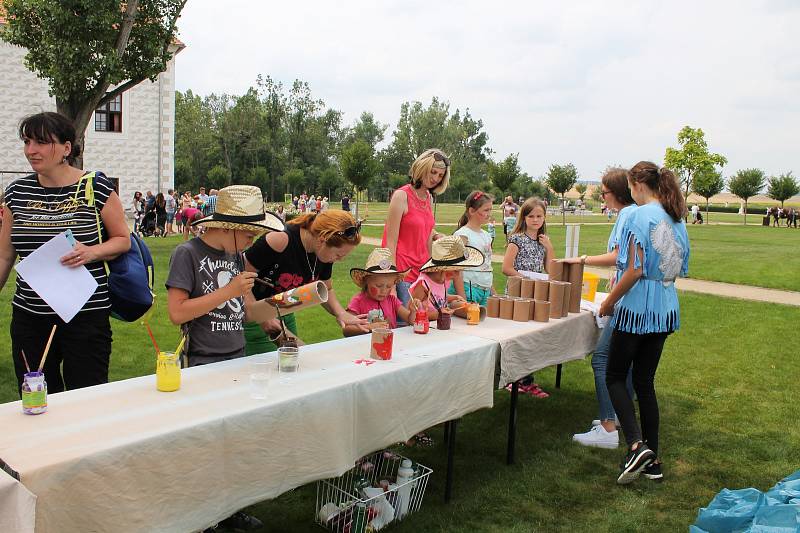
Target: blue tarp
x,y
752,511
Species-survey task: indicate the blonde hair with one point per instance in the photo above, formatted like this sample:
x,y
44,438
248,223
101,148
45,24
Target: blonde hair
x,y
529,205
422,166
328,224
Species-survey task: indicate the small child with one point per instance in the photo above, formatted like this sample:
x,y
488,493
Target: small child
x,y
206,284
376,280
529,248
490,229
448,256
475,285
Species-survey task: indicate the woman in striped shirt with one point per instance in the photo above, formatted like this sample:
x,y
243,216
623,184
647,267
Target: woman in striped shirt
x,y
39,207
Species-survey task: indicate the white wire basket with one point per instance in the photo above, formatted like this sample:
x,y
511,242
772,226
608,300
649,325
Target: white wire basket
x,y
368,497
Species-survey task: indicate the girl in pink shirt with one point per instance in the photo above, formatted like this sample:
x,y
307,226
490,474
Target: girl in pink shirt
x,y
376,301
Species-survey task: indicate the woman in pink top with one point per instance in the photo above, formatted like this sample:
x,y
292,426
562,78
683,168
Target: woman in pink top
x,y
410,226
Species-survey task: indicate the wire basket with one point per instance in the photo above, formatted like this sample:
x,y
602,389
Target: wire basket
x,y
368,494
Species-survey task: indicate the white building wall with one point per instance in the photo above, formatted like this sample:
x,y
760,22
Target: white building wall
x,y
141,156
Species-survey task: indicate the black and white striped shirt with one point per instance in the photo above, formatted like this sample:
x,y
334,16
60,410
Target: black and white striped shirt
x,y
41,213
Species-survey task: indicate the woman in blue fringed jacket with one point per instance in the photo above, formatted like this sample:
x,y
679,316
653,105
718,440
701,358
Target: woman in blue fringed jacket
x,y
653,251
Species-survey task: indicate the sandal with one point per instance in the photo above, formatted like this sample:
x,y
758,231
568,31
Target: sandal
x,y
536,391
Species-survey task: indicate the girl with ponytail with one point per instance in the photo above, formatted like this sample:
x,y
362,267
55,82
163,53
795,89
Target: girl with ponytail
x,y
653,252
476,285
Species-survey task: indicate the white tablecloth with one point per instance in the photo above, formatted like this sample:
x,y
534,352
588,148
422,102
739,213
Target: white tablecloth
x,y
125,457
17,506
526,347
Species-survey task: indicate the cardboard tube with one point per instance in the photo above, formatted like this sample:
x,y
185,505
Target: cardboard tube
x,y
530,315
541,290
514,286
565,300
576,278
526,291
300,297
556,270
522,309
493,307
556,298
541,312
507,308
381,344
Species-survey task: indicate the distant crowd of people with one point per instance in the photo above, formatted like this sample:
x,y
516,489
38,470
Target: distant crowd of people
x,y
777,214
154,215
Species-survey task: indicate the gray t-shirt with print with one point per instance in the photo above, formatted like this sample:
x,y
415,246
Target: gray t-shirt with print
x,y
200,269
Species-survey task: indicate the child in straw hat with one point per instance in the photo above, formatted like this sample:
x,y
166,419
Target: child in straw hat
x,y
206,284
449,255
377,279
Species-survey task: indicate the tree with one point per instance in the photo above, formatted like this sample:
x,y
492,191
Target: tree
x,y
561,178
330,180
504,173
707,183
366,129
85,48
782,187
746,184
692,157
581,189
358,165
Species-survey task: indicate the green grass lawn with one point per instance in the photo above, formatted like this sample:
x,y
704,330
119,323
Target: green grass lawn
x,y
727,387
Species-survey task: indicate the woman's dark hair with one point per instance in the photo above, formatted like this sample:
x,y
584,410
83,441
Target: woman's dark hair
x,y
475,200
160,201
137,195
616,181
664,184
46,127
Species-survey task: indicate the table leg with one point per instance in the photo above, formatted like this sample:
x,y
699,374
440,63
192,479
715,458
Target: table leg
x,y
512,423
450,430
558,376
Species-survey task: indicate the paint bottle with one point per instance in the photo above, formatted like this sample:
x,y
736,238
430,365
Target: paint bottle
x,y
34,393
405,474
473,314
168,372
421,324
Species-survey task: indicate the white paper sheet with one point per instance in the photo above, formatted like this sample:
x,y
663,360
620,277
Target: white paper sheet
x,y
534,275
65,289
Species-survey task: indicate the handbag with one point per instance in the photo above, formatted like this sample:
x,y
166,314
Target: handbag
x,y
130,275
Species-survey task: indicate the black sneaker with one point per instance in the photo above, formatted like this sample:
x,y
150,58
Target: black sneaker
x,y
634,463
240,521
653,471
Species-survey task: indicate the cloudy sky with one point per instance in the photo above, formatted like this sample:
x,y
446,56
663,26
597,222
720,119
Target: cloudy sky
x,y
588,82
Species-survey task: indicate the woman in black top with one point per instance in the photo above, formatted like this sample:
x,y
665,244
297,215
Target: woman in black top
x,y
303,253
160,207
39,207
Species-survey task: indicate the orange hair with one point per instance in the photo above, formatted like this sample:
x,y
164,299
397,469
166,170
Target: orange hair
x,y
329,224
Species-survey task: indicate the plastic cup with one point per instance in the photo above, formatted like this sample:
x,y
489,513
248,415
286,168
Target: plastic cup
x,y
260,374
288,359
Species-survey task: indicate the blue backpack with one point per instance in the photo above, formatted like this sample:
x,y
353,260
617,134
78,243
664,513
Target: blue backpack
x,y
130,275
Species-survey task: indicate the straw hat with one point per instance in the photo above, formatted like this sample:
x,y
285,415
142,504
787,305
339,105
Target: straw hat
x,y
380,261
452,253
241,207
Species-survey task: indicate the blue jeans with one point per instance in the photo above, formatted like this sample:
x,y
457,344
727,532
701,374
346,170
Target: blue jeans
x,y
599,365
404,296
476,294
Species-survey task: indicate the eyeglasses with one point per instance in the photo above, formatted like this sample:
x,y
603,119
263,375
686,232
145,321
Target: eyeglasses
x,y
351,232
438,156
603,193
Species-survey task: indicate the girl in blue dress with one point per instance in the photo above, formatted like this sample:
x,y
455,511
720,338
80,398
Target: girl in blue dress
x,y
653,251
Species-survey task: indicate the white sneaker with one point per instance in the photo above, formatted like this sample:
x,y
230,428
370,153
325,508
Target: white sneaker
x,y
596,422
598,437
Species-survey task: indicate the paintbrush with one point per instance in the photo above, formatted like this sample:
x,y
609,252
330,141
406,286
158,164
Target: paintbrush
x,y
47,348
25,360
432,299
264,282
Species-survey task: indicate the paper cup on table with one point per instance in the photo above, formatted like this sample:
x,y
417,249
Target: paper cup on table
x,y
556,270
522,309
300,297
493,307
381,344
541,290
576,278
461,312
526,290
514,286
565,299
541,312
507,308
556,298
